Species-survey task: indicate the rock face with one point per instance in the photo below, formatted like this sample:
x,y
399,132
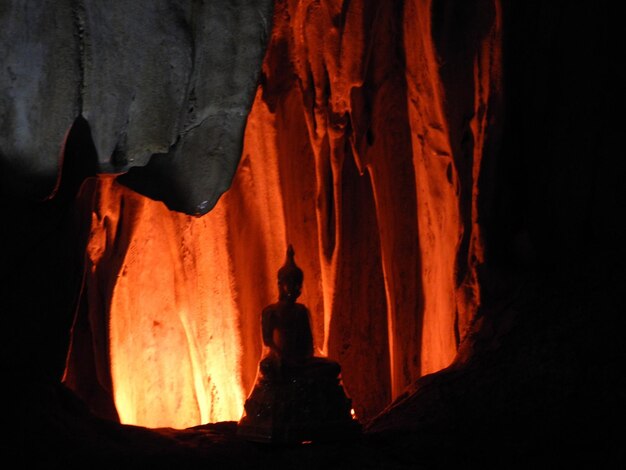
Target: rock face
x,y
39,94
445,172
355,153
169,80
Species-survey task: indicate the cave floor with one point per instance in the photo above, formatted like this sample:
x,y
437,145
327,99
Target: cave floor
x,y
218,446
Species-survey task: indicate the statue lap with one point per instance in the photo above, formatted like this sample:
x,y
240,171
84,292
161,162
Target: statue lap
x,y
273,368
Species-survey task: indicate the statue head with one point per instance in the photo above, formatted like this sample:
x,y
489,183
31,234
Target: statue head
x,y
290,278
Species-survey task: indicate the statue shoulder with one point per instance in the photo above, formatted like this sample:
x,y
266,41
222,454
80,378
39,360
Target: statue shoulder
x,y
270,309
301,308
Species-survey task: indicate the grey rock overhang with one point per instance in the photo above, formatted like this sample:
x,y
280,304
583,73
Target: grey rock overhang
x,y
165,86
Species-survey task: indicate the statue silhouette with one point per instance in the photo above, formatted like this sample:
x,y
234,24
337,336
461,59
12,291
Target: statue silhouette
x,y
286,330
297,396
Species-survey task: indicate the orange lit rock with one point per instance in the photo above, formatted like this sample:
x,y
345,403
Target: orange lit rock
x,y
362,151
536,271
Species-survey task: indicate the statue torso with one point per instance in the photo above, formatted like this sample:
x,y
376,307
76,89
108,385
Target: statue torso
x,y
287,331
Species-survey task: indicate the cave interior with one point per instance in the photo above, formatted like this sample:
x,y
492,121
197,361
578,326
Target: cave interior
x,y
447,172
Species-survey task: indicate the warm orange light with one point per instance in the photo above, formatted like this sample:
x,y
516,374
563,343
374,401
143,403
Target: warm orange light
x,y
348,156
175,346
185,302
174,333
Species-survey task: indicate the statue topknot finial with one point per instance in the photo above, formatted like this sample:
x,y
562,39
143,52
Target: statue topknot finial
x,y
290,270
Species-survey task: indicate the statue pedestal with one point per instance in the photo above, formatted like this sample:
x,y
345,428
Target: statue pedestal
x,y
298,409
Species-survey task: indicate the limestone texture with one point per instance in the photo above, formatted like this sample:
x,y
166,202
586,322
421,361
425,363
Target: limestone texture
x,y
165,86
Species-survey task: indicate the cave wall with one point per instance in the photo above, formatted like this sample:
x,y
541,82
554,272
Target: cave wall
x,y
534,381
540,359
363,152
166,88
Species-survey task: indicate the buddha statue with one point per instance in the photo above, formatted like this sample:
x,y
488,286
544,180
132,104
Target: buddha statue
x,y
297,396
287,333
